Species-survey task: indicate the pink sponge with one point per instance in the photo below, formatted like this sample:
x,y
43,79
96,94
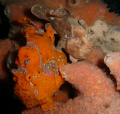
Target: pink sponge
x,y
112,60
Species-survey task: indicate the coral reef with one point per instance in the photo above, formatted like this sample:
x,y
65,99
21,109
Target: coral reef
x,y
89,36
36,87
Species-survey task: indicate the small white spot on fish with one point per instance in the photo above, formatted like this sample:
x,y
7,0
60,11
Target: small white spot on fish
x,y
81,28
58,59
27,61
31,84
33,77
36,92
59,55
76,20
52,18
40,31
66,36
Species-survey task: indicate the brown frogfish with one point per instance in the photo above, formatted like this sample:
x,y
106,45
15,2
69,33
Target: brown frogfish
x,y
37,77
74,35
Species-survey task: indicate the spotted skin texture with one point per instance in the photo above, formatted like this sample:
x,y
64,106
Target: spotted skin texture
x,y
74,37
37,77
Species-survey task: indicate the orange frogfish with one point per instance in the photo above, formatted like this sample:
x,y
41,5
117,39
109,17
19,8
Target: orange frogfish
x,y
37,77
